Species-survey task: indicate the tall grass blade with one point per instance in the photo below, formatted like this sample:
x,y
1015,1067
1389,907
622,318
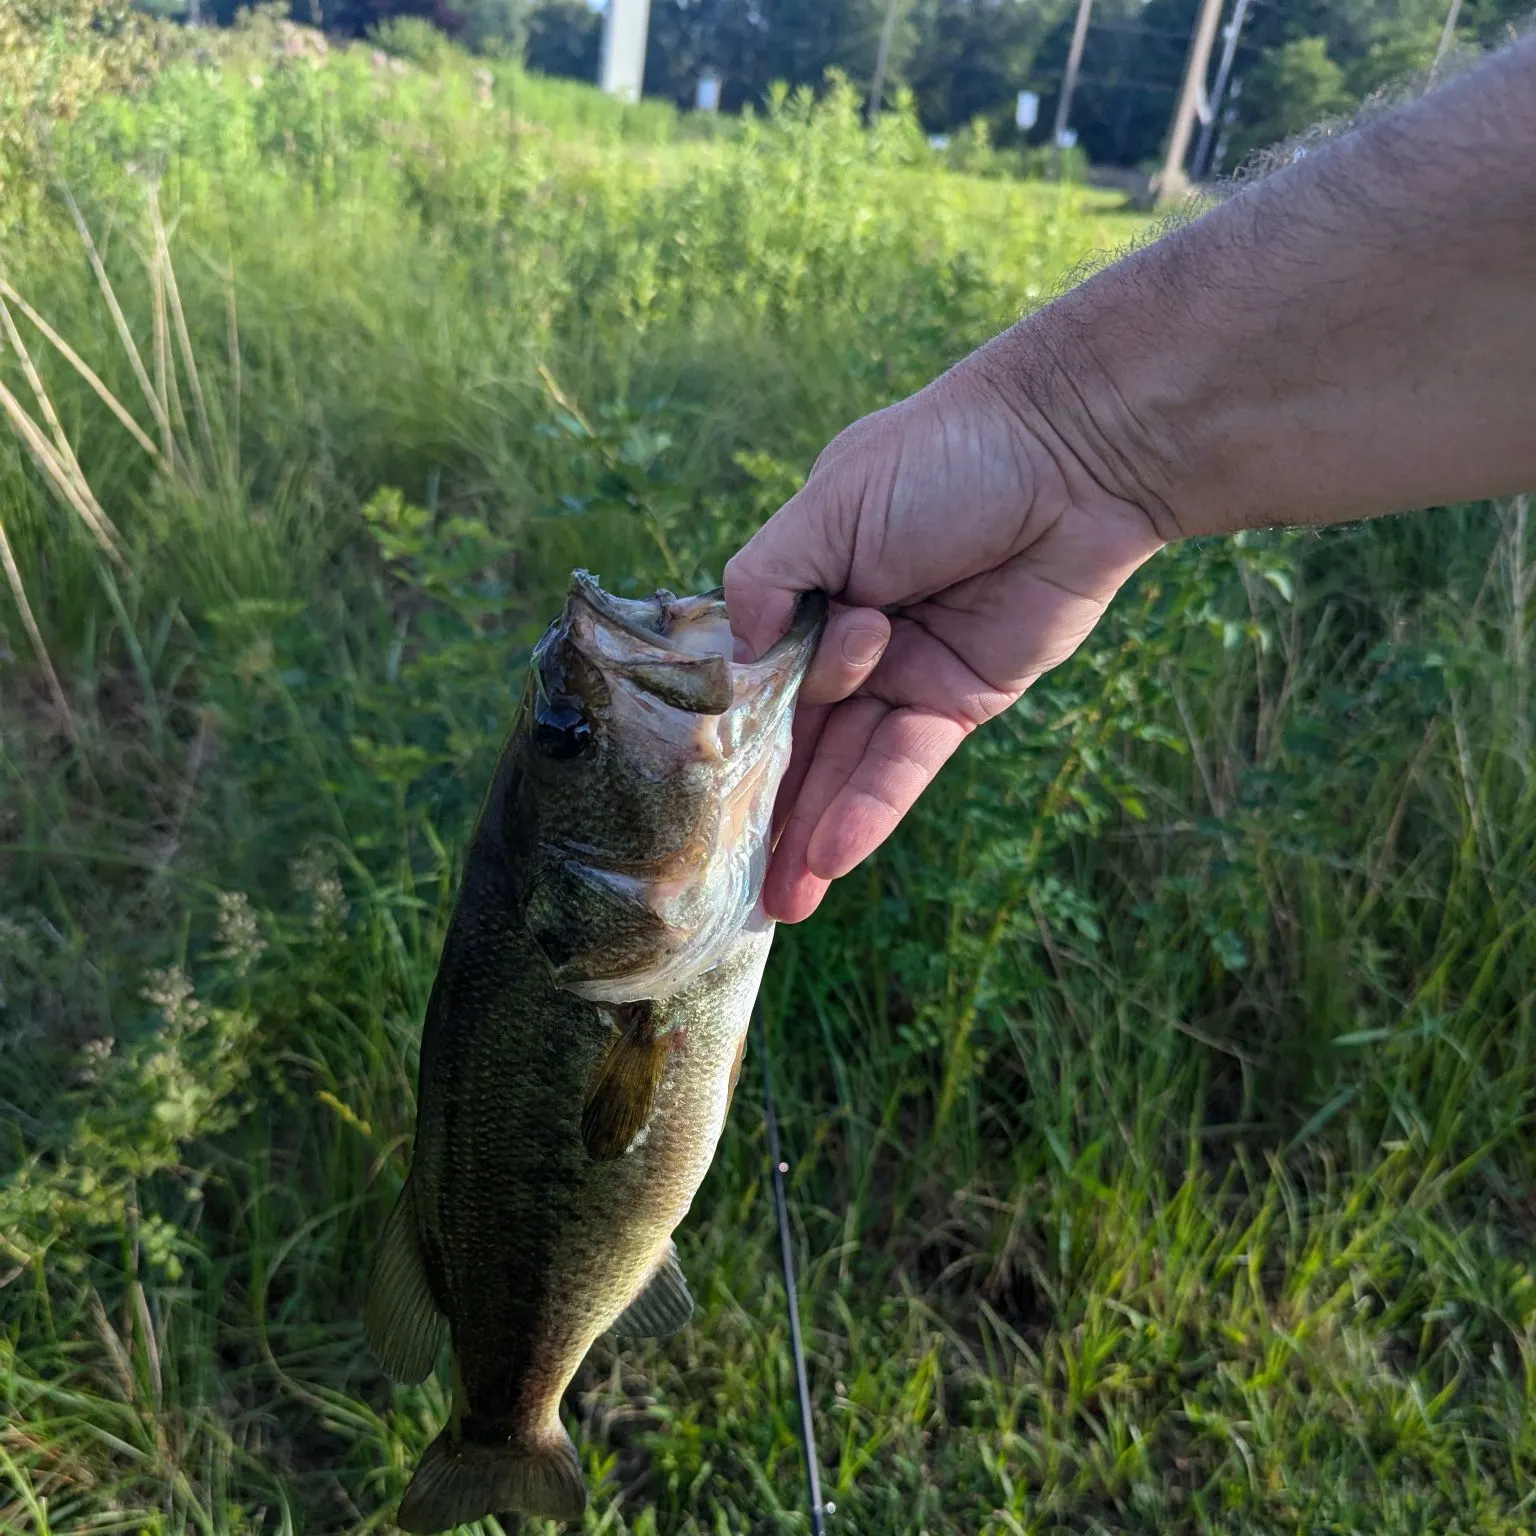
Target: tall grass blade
x,y
1521,575
125,335
161,352
54,471
35,635
162,249
140,662
81,367
232,328
69,466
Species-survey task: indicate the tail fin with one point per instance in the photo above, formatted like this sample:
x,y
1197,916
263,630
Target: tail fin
x,y
457,1483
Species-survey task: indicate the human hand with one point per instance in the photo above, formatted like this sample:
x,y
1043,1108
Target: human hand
x,y
967,551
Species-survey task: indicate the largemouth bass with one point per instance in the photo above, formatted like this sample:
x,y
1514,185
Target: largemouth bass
x,y
584,1033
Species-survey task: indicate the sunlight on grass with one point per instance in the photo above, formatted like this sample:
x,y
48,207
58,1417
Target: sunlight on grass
x,y
1158,1102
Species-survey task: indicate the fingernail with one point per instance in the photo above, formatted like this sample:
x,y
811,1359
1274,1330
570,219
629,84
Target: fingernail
x,y
862,647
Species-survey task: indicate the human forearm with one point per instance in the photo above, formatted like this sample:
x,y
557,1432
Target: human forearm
x,y
1353,335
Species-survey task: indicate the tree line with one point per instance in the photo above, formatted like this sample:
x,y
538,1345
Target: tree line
x,y
1297,61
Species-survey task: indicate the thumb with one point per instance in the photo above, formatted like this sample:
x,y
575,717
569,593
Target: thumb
x,y
805,546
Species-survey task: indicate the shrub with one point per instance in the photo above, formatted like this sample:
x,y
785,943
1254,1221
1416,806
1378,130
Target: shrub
x,y
56,57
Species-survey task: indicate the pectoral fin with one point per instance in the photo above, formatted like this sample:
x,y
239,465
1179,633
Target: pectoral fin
x,y
623,1088
663,1305
401,1322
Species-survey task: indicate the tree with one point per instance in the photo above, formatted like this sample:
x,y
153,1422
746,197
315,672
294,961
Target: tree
x,y
806,37
492,26
972,57
688,37
751,44
1293,87
565,37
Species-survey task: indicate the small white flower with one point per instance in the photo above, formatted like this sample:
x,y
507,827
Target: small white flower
x,y
240,939
94,1056
314,872
170,991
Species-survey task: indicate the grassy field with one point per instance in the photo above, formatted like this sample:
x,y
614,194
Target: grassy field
x,y
1159,1102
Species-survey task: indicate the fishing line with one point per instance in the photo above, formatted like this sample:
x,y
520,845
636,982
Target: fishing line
x,y
780,1168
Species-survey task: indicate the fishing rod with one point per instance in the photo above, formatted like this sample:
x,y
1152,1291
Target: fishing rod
x,y
780,1168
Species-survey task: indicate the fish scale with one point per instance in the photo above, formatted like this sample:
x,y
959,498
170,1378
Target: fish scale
x,y
584,1032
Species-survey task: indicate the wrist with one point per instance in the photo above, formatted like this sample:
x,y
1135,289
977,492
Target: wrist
x,y
1099,414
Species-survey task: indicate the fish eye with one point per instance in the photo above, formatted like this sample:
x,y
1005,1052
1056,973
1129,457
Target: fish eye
x,y
561,731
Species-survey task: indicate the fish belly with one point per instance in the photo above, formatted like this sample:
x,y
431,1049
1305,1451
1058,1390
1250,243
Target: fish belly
x,y
642,1197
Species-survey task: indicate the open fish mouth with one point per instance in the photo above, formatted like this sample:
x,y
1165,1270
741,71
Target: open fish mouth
x,y
647,891
680,652
682,649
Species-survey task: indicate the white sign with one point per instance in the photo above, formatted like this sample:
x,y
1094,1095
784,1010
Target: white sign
x,y
1027,111
622,66
707,97
1067,139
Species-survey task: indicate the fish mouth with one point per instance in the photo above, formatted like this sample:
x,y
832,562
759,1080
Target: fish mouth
x,y
679,653
675,700
690,637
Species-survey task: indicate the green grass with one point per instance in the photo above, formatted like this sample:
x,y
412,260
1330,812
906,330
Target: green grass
x,y
1158,1102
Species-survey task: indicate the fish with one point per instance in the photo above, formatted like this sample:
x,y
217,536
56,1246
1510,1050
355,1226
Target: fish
x,y
585,1031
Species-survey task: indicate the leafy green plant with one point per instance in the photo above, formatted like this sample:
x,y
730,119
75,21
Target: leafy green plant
x,y
56,57
1157,1102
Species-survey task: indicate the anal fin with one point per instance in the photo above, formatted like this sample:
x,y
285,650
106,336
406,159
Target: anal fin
x,y
624,1086
663,1305
401,1322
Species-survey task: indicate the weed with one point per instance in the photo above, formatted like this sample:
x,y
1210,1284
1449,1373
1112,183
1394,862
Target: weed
x,y
1158,1101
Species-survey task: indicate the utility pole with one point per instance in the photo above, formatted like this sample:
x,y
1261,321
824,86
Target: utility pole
x,y
1445,39
1074,59
882,59
625,29
1171,183
1209,128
